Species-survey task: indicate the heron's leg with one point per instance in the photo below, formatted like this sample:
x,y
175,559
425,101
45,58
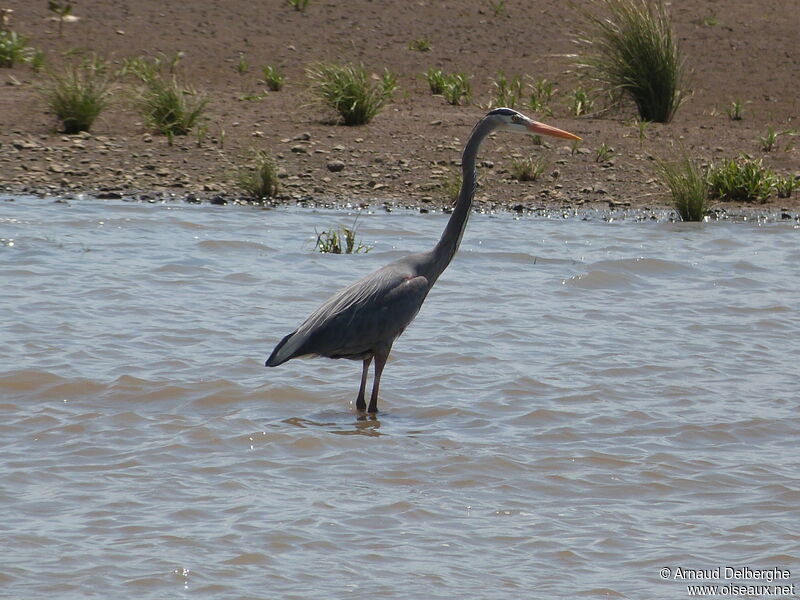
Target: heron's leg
x,y
380,361
360,402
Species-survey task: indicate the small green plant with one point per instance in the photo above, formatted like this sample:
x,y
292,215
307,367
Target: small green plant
x,y
709,21
273,78
419,45
632,50
242,66
299,5
340,241
498,7
388,83
454,87
78,95
436,80
687,185
259,180
451,186
457,89
735,110
171,108
785,186
768,141
540,96
580,102
743,180
13,48
604,152
61,10
147,69
527,169
348,90
641,128
507,92
36,60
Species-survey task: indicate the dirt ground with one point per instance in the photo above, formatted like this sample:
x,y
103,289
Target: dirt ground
x,y
735,50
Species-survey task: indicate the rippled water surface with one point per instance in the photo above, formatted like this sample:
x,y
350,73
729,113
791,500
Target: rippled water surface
x,y
578,405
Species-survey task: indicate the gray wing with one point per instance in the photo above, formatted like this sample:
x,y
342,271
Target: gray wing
x,y
370,313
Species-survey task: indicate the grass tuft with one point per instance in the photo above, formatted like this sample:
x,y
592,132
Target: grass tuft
x,y
507,92
171,108
13,48
78,95
340,241
527,169
634,52
743,180
687,185
455,88
349,91
259,180
273,77
785,186
540,96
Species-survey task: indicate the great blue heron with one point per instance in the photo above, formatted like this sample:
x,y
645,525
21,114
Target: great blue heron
x,y
362,321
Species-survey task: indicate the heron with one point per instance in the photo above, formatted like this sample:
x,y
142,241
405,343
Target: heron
x,y
362,321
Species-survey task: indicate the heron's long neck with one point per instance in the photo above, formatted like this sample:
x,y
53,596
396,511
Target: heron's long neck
x,y
451,238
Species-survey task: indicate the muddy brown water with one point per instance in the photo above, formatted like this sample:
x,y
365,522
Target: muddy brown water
x,y
579,405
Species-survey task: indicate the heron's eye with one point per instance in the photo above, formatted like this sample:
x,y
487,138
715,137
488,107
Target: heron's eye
x,y
515,118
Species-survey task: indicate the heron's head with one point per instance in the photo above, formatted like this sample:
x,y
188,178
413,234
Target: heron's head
x,y
507,119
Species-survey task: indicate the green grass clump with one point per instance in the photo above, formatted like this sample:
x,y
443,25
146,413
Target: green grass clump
x,y
340,241
455,88
527,169
507,92
259,181
632,49
299,5
349,91
78,95
419,45
147,69
13,48
735,110
171,108
273,77
581,102
743,180
785,186
541,93
687,185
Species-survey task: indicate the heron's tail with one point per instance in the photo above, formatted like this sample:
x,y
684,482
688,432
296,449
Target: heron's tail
x,y
282,353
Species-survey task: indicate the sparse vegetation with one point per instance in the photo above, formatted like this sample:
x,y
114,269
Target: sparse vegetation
x,y
455,88
452,186
785,186
419,45
687,185
340,241
580,102
507,92
768,141
299,5
604,152
743,180
527,169
632,50
13,48
273,78
242,66
498,8
61,10
348,90
540,96
170,108
78,95
147,69
735,110
259,180
641,128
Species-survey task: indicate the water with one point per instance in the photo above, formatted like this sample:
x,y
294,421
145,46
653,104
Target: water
x,y
578,405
